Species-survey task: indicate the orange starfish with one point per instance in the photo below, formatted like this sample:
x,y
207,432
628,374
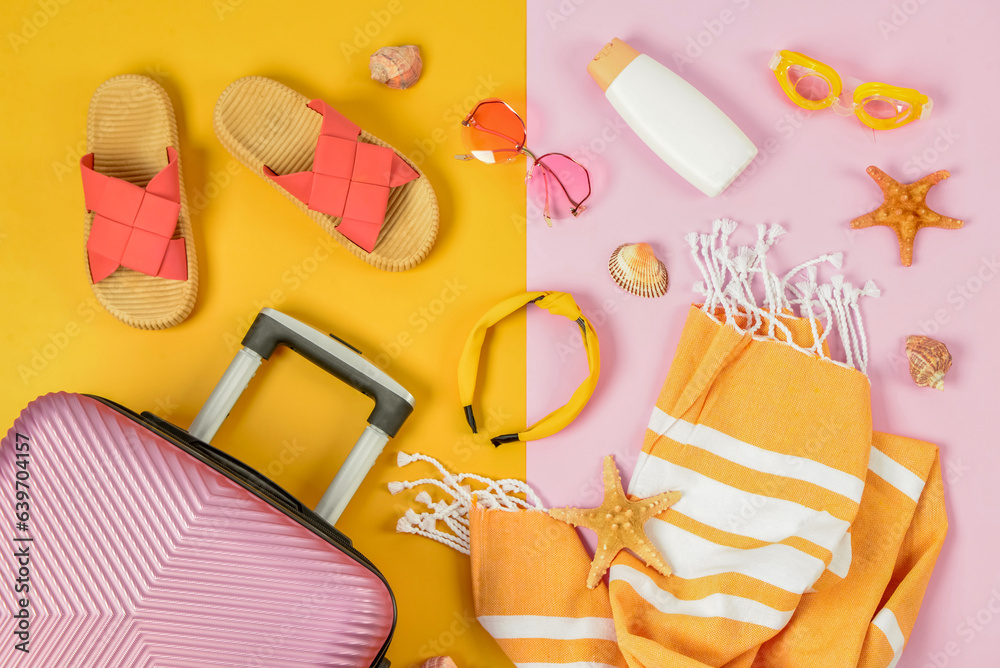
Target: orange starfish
x,y
619,523
904,209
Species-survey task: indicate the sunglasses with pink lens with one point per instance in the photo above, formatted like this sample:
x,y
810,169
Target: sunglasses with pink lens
x,y
557,184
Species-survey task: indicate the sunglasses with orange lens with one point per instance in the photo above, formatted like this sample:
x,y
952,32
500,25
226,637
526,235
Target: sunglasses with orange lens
x,y
494,133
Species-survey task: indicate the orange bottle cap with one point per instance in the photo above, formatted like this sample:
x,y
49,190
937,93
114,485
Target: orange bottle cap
x,y
610,61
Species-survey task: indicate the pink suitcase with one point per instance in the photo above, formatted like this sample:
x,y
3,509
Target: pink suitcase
x,y
132,542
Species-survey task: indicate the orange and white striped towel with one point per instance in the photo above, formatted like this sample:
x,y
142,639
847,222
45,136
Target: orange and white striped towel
x,y
801,538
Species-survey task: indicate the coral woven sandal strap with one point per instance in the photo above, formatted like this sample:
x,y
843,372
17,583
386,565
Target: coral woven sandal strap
x,y
133,227
350,179
368,196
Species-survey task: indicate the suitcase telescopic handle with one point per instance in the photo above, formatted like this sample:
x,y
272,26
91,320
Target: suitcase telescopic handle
x,y
270,329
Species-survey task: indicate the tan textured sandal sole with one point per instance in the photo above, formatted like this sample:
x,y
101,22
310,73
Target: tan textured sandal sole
x,y
263,122
129,127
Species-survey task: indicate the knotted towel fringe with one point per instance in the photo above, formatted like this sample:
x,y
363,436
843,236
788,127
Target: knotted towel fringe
x,y
729,285
497,494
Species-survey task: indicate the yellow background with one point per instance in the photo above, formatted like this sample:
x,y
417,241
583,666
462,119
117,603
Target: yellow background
x,y
255,249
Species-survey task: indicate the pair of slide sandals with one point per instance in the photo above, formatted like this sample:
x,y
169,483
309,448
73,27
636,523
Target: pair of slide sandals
x,y
140,249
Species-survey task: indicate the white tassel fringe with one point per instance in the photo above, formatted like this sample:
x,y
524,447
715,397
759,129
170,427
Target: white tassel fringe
x,y
728,286
454,513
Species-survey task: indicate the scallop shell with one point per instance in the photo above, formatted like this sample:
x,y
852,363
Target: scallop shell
x,y
439,662
396,66
929,361
637,269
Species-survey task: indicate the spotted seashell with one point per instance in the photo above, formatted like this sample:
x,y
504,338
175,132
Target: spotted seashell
x,y
396,66
929,361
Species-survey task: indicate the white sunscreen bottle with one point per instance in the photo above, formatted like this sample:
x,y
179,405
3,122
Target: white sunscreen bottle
x,y
681,125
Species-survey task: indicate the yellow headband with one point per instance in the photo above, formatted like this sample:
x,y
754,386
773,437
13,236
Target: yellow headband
x,y
559,303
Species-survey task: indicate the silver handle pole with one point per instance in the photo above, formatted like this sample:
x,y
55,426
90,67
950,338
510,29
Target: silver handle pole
x,y
224,396
351,474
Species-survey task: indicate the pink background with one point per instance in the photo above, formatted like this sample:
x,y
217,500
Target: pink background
x,y
810,178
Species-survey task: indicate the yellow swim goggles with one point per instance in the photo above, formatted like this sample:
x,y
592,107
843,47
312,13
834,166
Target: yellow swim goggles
x,y
815,85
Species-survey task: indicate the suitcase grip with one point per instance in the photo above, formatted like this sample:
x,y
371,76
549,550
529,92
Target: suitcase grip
x,y
270,329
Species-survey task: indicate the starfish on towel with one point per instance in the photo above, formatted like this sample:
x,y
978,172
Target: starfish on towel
x,y
904,209
619,523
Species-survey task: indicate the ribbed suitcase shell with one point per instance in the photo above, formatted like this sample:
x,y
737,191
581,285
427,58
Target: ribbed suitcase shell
x,y
150,549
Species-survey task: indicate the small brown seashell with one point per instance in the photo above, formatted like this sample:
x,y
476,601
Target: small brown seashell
x,y
929,361
439,662
636,269
396,66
